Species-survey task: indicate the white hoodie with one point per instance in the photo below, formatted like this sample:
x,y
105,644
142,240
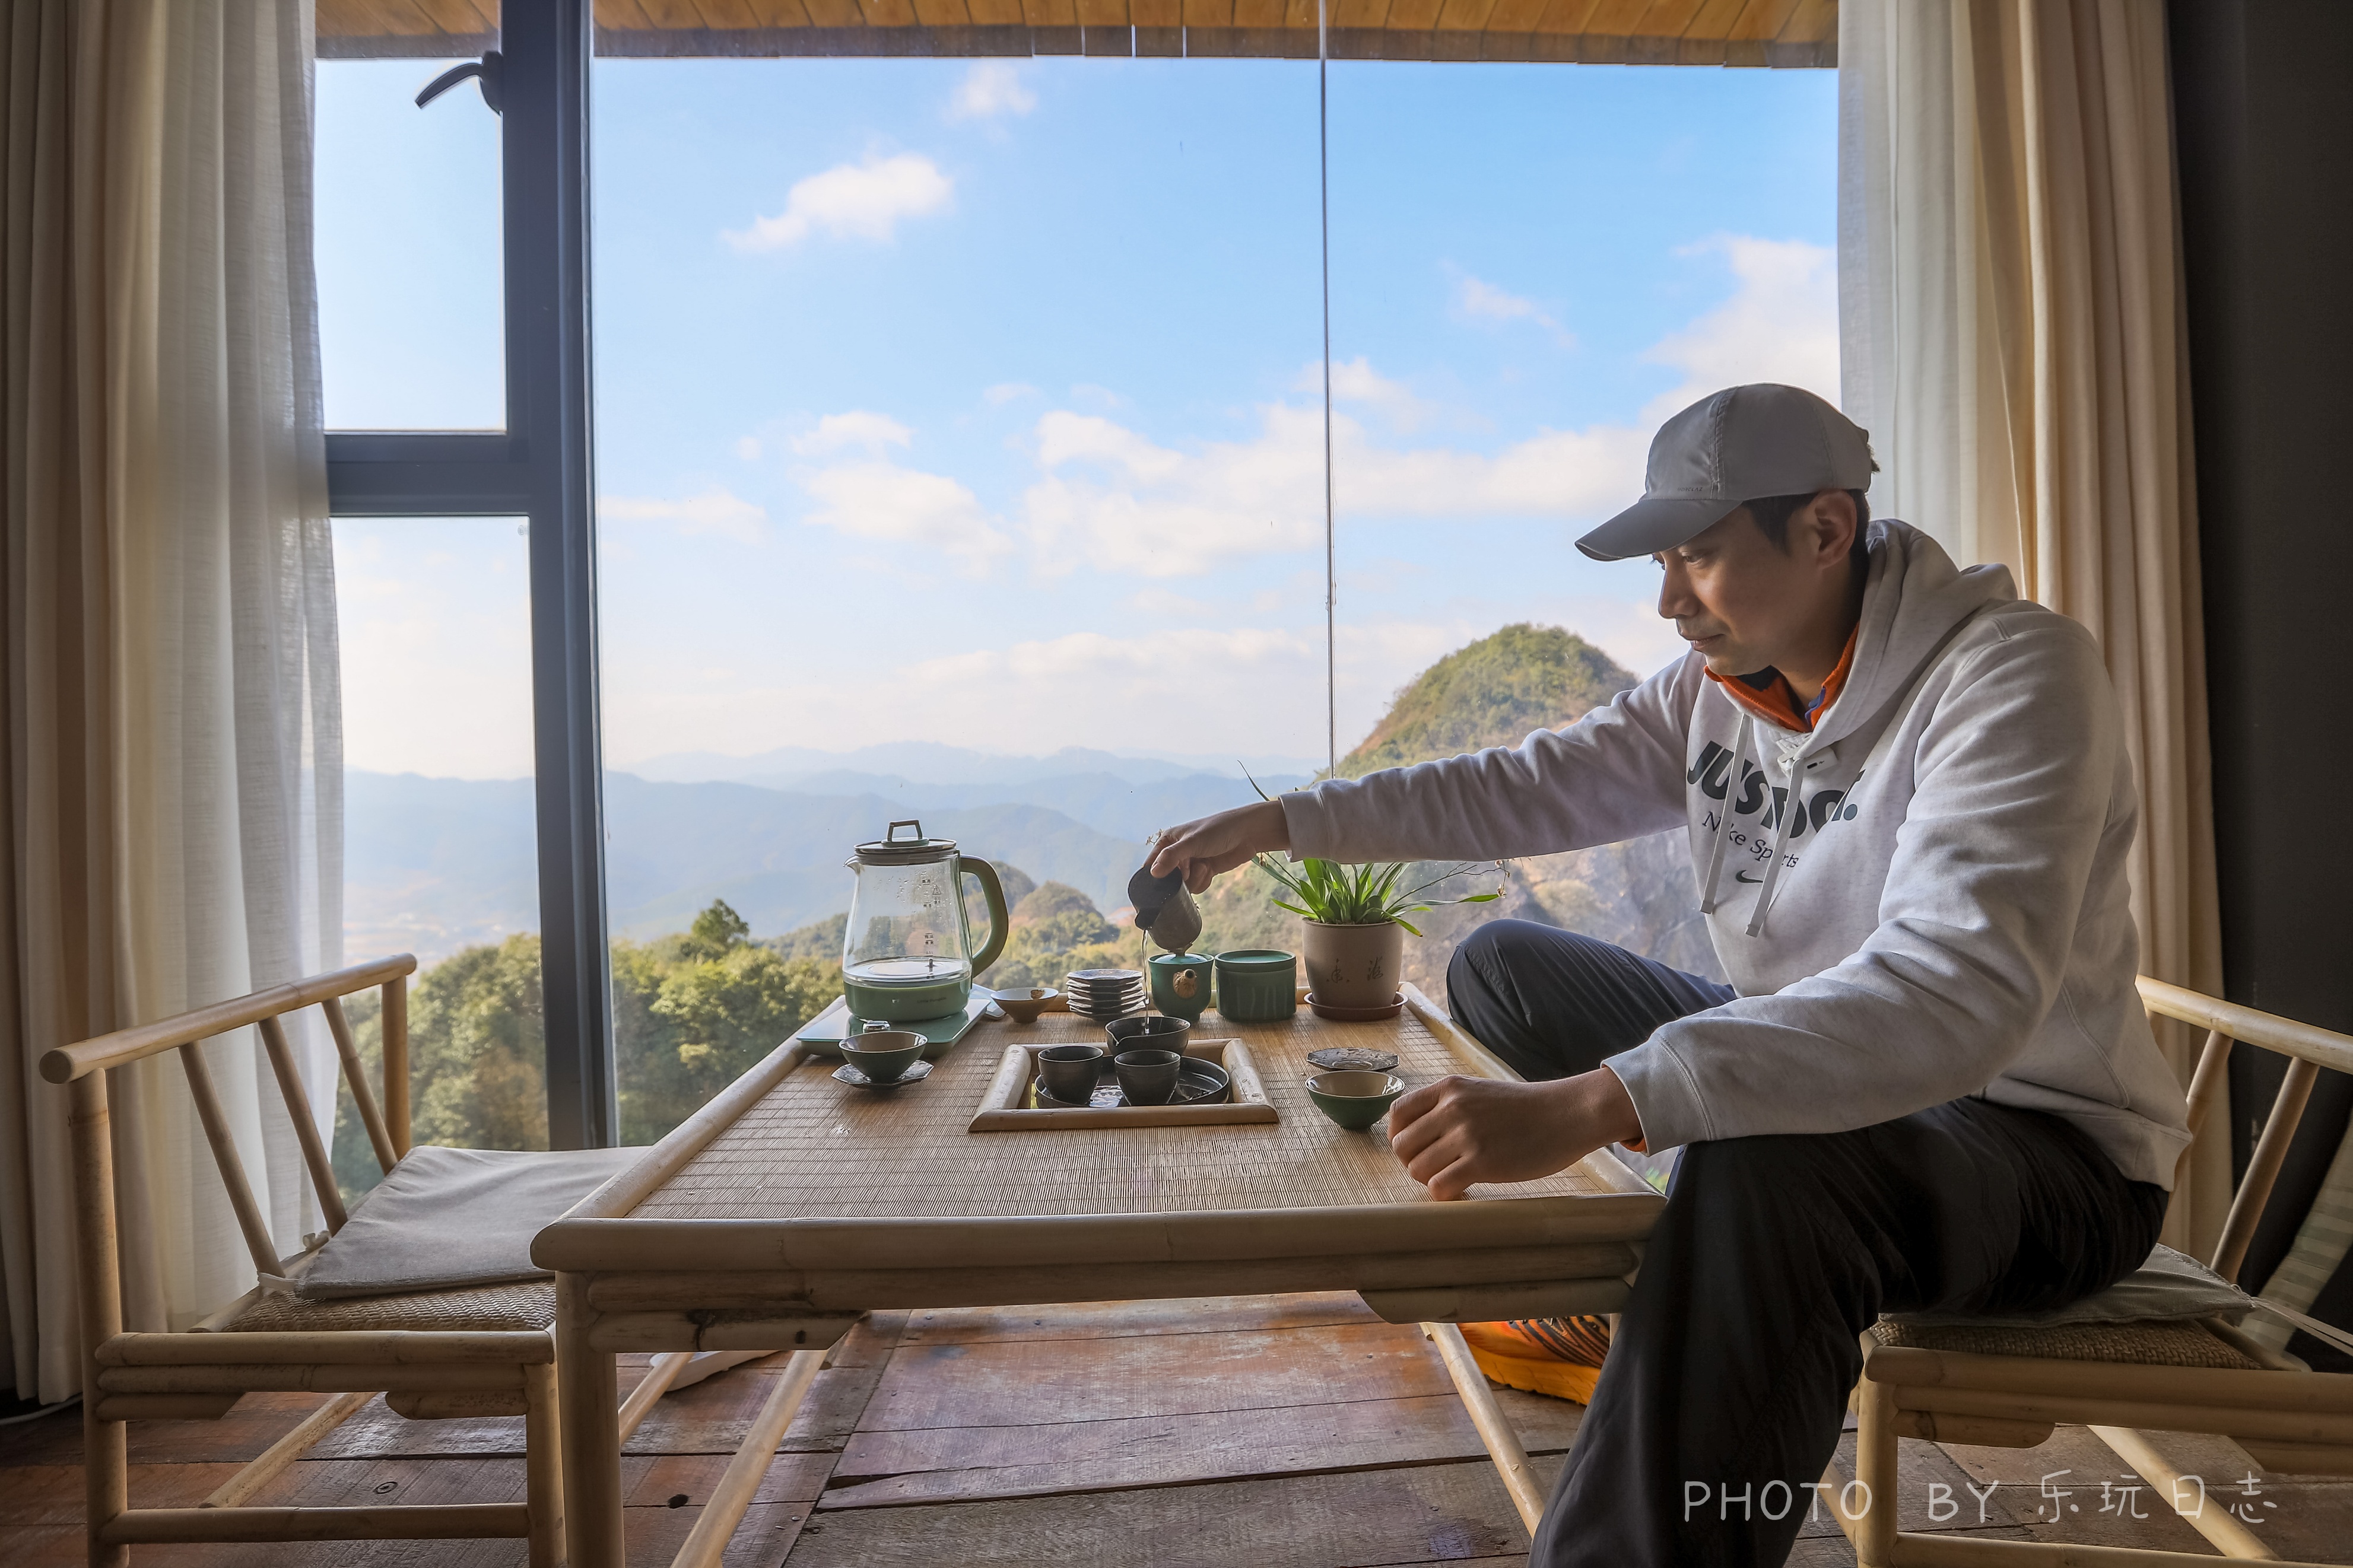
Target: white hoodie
x,y
1947,915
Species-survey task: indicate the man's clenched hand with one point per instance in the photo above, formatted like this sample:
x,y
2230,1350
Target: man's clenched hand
x,y
1459,1131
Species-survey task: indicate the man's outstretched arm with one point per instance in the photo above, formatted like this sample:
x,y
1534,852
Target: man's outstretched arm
x,y
1616,773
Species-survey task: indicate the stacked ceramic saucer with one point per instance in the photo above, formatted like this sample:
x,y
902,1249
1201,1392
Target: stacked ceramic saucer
x,y
1102,995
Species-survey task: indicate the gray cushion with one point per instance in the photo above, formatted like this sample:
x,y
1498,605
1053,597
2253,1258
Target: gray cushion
x,y
448,1218
2170,1287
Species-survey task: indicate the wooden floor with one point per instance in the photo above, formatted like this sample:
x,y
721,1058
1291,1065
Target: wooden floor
x,y
1291,1431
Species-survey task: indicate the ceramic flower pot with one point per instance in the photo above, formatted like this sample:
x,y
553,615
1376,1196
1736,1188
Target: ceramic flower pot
x,y
1353,966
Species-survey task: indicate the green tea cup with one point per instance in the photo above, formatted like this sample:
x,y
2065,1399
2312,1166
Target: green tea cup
x,y
1354,1099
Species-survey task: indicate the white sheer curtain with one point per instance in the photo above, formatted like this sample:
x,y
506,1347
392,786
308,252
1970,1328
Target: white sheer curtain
x,y
2010,316
174,731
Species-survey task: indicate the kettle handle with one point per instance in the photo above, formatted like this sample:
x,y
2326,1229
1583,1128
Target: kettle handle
x,y
993,891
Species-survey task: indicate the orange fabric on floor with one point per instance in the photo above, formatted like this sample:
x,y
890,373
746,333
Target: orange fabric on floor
x,y
1560,1357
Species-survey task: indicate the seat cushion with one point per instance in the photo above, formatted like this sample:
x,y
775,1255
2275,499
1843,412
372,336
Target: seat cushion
x,y
446,1219
485,1307
2143,1344
2170,1287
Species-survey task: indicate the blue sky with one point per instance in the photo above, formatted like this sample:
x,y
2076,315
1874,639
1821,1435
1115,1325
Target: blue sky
x,y
980,402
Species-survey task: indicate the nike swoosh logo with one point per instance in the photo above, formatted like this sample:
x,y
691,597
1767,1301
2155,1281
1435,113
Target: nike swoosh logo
x,y
1745,877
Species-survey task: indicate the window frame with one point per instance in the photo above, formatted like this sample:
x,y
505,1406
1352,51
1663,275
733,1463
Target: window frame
x,y
539,467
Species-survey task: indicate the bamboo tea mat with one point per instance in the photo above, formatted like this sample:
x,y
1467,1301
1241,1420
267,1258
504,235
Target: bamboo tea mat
x,y
816,1148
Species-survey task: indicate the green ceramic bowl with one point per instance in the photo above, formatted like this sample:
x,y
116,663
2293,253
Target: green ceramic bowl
x,y
1256,985
1354,1099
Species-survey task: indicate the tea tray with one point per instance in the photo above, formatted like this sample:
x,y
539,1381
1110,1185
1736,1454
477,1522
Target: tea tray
x,y
1006,1108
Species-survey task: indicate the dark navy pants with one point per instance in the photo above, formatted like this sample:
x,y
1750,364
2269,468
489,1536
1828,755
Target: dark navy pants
x,y
1734,1356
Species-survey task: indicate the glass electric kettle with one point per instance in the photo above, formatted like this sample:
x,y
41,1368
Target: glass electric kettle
x,y
906,952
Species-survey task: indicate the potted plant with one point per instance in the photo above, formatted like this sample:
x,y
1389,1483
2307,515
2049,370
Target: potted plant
x,y
1357,927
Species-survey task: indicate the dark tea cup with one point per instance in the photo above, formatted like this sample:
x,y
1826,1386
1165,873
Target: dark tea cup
x,y
1147,1077
1069,1073
883,1055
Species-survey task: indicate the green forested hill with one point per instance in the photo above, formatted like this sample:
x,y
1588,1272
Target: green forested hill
x,y
1491,694
1494,692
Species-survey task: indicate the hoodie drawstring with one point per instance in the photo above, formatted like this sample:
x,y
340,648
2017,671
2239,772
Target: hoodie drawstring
x,y
1724,818
1789,805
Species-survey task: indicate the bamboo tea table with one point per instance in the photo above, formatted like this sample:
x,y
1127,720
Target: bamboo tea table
x,y
792,1204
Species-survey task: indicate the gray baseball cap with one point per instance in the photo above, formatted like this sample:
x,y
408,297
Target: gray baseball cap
x,y
1729,447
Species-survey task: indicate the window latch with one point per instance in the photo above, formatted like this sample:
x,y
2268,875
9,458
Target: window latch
x,y
490,69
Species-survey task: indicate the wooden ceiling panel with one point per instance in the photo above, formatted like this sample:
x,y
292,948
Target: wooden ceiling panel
x,y
1644,32
1465,15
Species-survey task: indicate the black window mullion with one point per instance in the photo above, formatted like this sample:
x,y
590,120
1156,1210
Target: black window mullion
x,y
539,467
547,46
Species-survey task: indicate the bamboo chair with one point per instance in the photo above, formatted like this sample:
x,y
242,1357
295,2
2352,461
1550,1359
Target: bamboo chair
x,y
473,1353
2203,1377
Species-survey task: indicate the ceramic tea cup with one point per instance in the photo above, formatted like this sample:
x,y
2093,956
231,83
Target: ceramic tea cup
x,y
883,1055
1148,1029
1024,1005
1147,1077
1354,1099
1069,1073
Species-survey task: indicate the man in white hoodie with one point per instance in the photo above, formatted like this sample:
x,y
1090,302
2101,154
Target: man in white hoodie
x,y
1930,1083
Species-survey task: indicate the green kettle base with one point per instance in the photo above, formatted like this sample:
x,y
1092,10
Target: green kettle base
x,y
906,1002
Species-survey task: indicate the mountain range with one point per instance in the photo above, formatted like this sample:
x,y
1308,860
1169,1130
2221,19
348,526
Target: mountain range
x,y
434,865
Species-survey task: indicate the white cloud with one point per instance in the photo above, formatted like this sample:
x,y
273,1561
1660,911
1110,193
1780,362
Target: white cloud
x,y
991,88
1166,606
1355,381
1006,392
1119,501
1781,324
748,448
1482,301
1113,497
1265,688
869,432
716,511
862,200
881,501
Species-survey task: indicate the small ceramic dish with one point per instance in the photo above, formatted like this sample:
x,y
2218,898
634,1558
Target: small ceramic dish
x,y
1023,1007
850,1075
1354,1099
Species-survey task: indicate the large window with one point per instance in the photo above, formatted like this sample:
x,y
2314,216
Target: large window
x,y
959,453
410,320
439,827
1531,266
951,465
